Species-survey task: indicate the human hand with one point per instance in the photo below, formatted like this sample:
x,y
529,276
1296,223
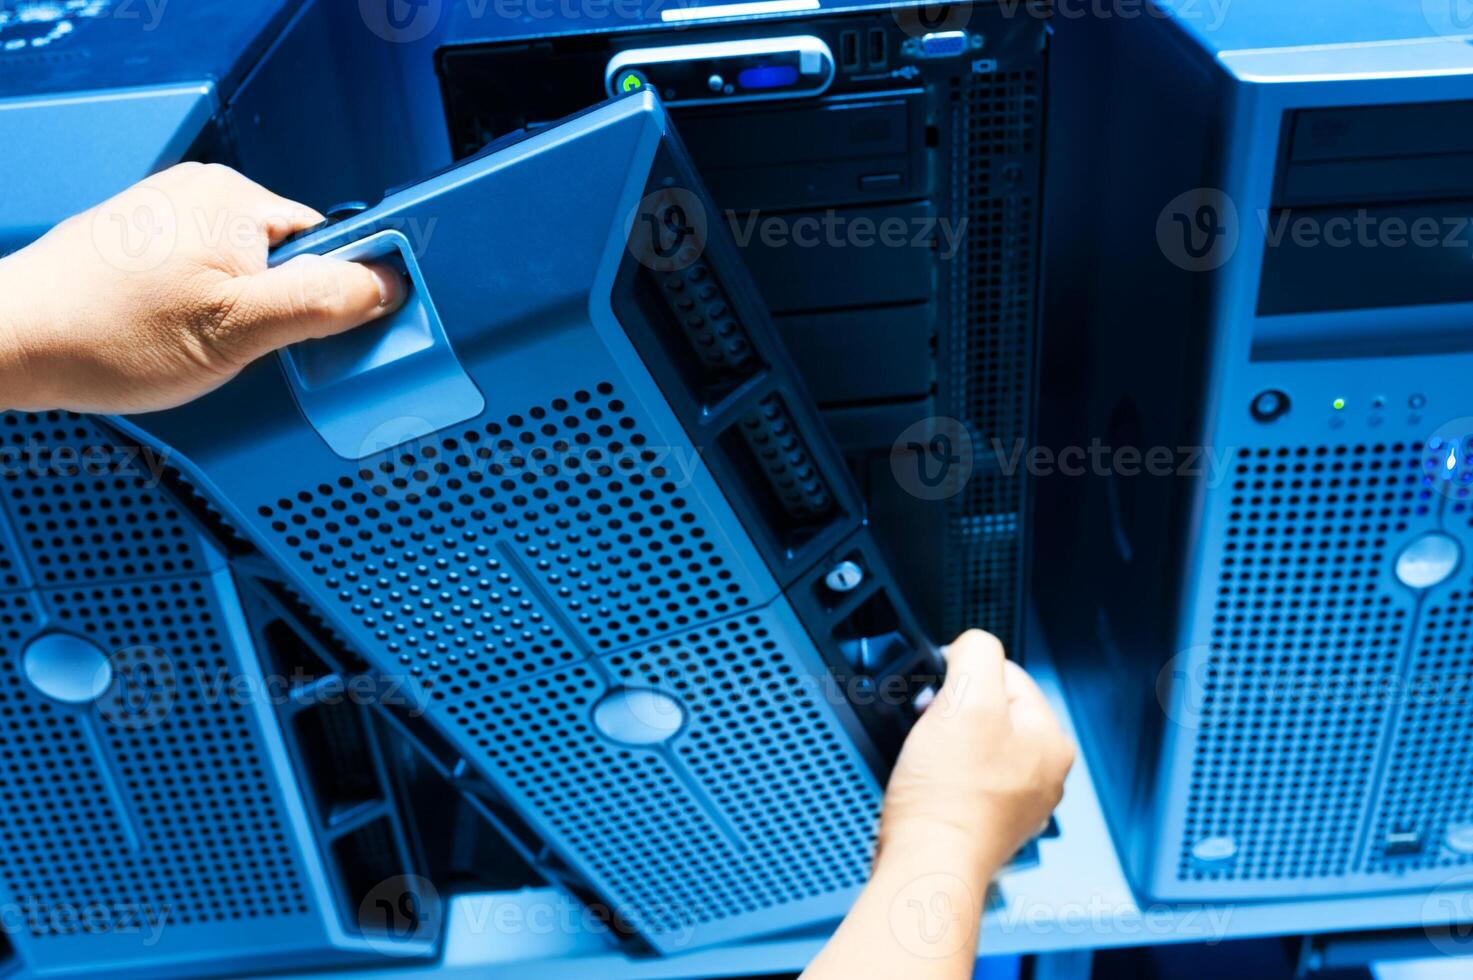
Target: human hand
x,y
983,767
978,775
162,293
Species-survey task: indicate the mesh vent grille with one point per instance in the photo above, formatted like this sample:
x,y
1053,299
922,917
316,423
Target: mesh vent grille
x,y
494,554
1304,634
84,510
520,570
793,811
186,824
1427,792
726,674
992,352
11,570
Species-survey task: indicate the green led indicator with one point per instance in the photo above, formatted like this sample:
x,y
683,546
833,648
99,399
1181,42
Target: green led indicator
x,y
631,81
1338,403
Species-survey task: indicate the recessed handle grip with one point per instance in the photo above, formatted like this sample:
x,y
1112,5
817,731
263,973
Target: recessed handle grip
x,y
389,381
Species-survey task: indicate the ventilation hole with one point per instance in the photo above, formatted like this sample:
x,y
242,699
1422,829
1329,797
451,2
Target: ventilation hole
x,y
1305,643
991,356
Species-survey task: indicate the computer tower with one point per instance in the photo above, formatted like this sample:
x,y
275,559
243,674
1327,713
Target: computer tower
x,y
816,130
1253,566
574,498
169,810
183,796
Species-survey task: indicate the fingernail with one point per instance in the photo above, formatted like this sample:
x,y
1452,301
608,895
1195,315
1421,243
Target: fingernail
x,y
391,287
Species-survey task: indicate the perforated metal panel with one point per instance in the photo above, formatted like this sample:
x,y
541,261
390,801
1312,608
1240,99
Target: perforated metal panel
x,y
156,826
1423,819
155,799
1304,631
84,510
1326,714
520,569
993,350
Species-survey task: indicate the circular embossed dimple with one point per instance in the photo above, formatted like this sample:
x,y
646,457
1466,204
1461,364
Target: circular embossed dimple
x,y
67,668
638,716
1428,560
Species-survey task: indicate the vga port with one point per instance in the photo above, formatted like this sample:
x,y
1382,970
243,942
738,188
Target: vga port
x,y
942,44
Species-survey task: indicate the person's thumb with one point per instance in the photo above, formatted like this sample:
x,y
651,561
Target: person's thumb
x,y
304,298
974,674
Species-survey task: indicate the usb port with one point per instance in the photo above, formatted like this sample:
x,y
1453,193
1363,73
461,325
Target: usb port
x,y
877,55
849,50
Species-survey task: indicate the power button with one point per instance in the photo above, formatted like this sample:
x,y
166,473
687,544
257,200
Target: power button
x,y
630,80
1269,405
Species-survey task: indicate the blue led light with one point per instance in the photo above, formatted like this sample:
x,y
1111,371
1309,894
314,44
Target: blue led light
x,y
768,76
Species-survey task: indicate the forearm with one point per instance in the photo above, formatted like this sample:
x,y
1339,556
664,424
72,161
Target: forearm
x,y
917,917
